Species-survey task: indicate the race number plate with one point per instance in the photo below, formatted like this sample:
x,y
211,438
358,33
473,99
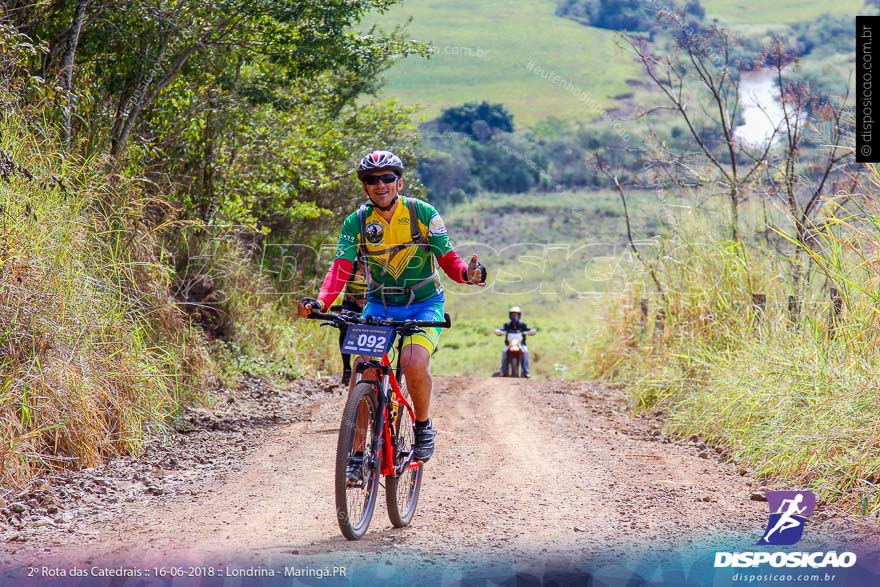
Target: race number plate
x,y
367,341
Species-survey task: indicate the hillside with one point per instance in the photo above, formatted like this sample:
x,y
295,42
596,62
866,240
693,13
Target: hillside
x,y
483,51
492,51
751,12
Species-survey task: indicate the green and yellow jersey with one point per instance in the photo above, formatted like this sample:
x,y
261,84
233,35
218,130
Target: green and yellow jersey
x,y
355,290
394,261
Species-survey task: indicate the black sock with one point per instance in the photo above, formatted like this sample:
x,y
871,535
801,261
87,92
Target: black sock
x,y
423,423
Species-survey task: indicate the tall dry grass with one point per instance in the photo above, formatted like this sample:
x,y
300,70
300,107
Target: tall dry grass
x,y
794,402
94,355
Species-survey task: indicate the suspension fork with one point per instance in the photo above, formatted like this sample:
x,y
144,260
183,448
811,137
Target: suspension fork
x,y
398,370
383,454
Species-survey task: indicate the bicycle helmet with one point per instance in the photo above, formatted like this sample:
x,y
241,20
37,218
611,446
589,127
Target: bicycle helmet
x,y
380,161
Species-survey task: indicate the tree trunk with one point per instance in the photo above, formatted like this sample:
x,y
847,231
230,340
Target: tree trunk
x,y
144,97
208,205
734,212
67,64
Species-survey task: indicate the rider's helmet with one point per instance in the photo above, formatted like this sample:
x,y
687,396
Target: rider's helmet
x,y
514,310
380,161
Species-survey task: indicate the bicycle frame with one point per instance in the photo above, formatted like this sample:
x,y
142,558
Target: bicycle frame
x,y
358,466
382,436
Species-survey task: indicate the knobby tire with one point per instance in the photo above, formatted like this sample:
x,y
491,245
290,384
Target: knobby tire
x,y
515,366
355,505
402,493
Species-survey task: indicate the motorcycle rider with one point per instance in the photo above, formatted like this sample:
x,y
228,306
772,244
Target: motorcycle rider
x,y
400,239
515,325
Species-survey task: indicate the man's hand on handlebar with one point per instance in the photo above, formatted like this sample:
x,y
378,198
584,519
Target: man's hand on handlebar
x,y
476,272
308,305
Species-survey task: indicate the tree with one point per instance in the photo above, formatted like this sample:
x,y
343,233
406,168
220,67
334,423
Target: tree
x,y
697,77
479,121
238,111
699,80
801,184
136,50
67,64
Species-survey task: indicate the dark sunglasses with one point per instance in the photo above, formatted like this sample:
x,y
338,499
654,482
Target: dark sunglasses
x,y
375,179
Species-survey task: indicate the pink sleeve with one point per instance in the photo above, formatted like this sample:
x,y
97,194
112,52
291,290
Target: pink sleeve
x,y
454,266
335,280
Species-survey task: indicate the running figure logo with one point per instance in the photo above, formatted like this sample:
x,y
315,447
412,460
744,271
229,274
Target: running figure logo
x,y
788,512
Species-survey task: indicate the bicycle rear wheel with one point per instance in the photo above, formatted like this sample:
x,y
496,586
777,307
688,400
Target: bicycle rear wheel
x,y
357,466
402,492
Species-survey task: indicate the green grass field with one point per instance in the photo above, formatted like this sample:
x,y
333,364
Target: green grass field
x,y
483,51
560,256
754,12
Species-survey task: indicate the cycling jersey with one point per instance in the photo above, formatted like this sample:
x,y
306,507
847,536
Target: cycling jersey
x,y
400,271
355,291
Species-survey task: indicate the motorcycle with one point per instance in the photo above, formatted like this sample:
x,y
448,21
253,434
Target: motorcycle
x,y
515,354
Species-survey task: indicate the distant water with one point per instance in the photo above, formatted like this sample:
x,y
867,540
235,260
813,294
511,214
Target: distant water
x,y
760,107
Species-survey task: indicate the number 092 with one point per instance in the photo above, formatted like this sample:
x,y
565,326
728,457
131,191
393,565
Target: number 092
x,y
371,341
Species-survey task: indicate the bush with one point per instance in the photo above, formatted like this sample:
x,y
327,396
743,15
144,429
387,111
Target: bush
x,y
553,156
478,121
622,15
794,404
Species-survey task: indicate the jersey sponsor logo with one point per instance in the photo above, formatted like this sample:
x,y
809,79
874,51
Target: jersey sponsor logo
x,y
403,220
436,226
375,232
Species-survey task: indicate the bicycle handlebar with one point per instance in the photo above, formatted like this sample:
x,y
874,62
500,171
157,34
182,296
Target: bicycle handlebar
x,y
350,318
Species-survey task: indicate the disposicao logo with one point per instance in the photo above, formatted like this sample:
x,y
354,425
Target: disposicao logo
x,y
788,513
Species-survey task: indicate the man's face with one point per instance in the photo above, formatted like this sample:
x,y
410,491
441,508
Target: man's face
x,y
383,193
514,316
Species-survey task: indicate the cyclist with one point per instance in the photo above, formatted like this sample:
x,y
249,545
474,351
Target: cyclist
x,y
400,238
515,325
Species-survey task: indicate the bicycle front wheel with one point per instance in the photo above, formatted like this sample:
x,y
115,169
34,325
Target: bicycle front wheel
x,y
357,466
402,492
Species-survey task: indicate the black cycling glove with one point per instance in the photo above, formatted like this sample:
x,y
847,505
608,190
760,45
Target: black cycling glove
x,y
315,304
471,267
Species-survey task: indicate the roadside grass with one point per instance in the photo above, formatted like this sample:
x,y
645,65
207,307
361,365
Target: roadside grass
x,y
99,352
249,316
92,355
795,404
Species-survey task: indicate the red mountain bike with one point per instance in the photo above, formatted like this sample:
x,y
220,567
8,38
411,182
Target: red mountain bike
x,y
378,425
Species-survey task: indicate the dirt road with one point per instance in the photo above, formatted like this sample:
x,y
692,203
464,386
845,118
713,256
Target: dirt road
x,y
526,471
